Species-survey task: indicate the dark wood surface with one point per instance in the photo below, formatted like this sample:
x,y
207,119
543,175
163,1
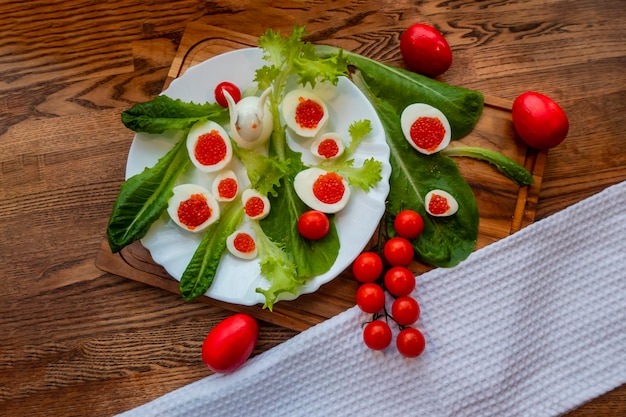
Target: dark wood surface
x,y
79,341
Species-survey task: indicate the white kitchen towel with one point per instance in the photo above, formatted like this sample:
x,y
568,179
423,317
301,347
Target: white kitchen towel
x,y
532,325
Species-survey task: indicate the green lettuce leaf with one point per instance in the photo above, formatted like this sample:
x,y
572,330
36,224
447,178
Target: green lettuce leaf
x,y
200,271
143,197
445,241
511,169
164,113
400,87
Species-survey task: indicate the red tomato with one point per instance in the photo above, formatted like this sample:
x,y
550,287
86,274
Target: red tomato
x,y
405,310
408,224
230,343
367,267
399,281
232,89
410,342
539,121
313,225
377,335
425,50
398,251
370,298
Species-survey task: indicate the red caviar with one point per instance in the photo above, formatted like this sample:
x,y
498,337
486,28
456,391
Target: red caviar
x,y
254,206
427,133
244,243
194,211
308,113
329,188
210,148
438,204
328,148
227,188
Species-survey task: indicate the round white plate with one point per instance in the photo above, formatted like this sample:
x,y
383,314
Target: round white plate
x,y
236,280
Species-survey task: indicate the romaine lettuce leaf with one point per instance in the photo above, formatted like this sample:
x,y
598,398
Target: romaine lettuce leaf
x,y
143,197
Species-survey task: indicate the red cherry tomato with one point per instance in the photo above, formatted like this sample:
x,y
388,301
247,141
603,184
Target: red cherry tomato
x,y
408,224
370,298
539,121
410,342
367,267
232,89
399,281
425,50
313,225
405,311
230,343
377,335
398,251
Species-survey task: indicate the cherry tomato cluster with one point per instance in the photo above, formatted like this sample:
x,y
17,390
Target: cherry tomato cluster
x,y
393,276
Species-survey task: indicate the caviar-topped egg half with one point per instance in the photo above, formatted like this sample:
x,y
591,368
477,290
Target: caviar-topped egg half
x,y
305,113
193,207
327,146
209,146
440,203
425,127
321,190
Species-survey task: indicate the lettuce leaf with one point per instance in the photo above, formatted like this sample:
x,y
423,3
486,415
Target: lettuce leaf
x,y
400,88
143,197
445,241
200,272
164,113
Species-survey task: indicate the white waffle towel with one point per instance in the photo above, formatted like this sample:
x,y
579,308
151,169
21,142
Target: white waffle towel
x,y
532,325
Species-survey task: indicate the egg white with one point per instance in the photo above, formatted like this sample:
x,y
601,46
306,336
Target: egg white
x,y
416,110
250,193
200,129
230,245
454,205
223,175
182,193
290,104
303,185
321,138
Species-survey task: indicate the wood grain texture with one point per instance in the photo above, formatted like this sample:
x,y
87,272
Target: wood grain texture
x,y
504,207
77,341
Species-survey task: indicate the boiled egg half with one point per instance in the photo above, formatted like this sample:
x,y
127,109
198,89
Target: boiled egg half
x,y
425,127
321,190
225,186
327,146
242,245
209,146
193,207
255,205
440,203
305,113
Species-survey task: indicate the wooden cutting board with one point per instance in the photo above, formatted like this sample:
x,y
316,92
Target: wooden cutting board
x,y
504,207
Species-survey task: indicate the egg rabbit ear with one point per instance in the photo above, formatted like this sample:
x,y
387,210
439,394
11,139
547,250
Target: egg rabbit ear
x,y
260,111
232,106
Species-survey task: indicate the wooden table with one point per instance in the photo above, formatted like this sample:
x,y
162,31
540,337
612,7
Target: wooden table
x,y
77,341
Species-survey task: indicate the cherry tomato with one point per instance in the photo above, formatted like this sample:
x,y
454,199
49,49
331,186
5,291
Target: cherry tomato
x,y
367,267
230,343
410,342
539,121
370,298
399,281
425,50
232,89
313,225
377,335
398,251
408,224
405,310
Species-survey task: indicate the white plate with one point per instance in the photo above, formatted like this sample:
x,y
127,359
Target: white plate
x,y
236,280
